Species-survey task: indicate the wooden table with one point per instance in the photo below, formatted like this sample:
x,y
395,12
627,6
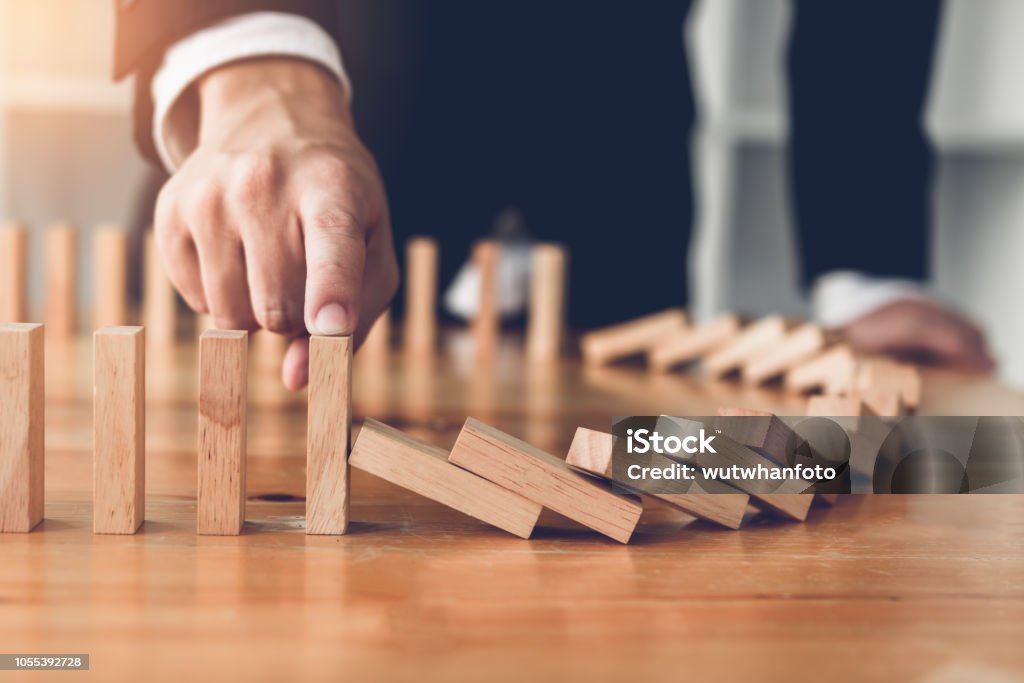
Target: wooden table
x,y
927,588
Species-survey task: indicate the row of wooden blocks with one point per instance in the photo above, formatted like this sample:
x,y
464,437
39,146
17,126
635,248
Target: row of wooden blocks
x,y
119,428
802,356
545,328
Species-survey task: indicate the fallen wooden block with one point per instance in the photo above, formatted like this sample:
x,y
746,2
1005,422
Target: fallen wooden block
x,y
832,371
327,434
61,281
22,417
13,274
591,452
751,341
796,347
689,344
110,277
424,469
879,374
223,389
119,425
160,306
544,479
881,400
421,265
630,338
546,321
487,321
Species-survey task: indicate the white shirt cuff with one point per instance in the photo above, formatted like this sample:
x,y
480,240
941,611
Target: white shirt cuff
x,y
257,34
840,297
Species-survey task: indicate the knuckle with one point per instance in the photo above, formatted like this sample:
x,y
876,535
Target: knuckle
x,y
203,204
335,223
255,176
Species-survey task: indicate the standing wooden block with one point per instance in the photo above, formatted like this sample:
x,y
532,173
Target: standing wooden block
x,y
421,265
424,469
630,338
687,345
831,371
21,426
328,434
13,274
751,341
61,281
223,389
796,347
547,302
591,452
378,340
110,277
878,375
544,479
119,424
487,322
159,300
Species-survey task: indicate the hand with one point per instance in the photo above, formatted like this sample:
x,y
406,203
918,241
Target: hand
x,y
923,332
278,218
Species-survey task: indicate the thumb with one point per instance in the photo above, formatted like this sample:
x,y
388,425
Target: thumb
x,y
335,241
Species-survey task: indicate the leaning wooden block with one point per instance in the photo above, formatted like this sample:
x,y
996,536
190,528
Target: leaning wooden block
x,y
327,434
758,429
689,344
751,341
544,479
223,388
878,374
424,469
119,424
21,426
61,284
881,400
13,274
630,338
591,452
796,347
831,371
110,277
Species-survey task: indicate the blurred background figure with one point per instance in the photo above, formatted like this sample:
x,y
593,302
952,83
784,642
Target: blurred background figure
x,y
64,153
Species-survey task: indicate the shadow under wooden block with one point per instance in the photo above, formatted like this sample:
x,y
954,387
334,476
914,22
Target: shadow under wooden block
x,y
544,479
591,452
398,458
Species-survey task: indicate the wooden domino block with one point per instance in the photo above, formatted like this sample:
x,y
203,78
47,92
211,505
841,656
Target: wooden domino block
x,y
223,389
61,281
796,347
544,479
591,452
687,345
424,469
421,266
630,338
832,371
768,434
547,302
846,409
378,340
110,277
21,426
883,401
751,341
159,300
487,321
119,424
328,433
13,274
880,374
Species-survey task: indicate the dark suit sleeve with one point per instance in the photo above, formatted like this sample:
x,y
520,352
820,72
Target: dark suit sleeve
x,y
146,28
859,73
